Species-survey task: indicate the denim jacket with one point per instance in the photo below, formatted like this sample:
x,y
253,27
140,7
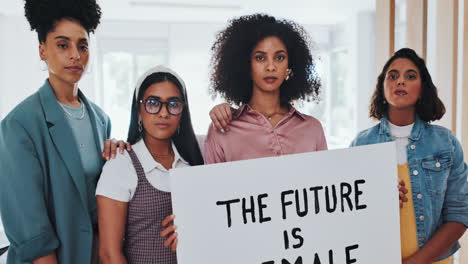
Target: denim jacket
x,y
438,175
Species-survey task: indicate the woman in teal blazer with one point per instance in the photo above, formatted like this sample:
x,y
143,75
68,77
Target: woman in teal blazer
x,y
50,145
45,202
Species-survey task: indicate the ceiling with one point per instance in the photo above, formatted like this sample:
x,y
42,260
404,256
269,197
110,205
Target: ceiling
x,y
200,11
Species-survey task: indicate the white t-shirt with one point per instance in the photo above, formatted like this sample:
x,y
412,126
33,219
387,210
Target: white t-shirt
x,y
119,180
401,135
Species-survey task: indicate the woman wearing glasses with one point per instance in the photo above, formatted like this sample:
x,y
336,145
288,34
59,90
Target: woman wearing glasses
x,y
133,194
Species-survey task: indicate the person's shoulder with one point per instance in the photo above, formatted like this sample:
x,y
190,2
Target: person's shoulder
x,y
117,178
309,118
366,136
310,121
434,132
26,110
437,129
212,133
120,164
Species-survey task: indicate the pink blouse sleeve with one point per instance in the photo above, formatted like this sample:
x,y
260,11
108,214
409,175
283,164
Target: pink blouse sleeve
x,y
213,153
322,141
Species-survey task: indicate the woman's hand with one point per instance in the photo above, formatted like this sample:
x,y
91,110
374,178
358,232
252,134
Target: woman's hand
x,y
110,148
169,232
402,192
221,115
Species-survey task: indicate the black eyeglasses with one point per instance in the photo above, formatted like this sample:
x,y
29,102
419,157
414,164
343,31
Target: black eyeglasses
x,y
154,106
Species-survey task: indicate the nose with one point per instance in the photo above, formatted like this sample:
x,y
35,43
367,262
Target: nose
x,y
270,66
163,113
74,53
401,80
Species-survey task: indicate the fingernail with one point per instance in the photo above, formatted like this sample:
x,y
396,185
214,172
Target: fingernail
x,y
221,130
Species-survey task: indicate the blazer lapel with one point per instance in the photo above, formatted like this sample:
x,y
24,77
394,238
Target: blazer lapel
x,y
99,126
63,139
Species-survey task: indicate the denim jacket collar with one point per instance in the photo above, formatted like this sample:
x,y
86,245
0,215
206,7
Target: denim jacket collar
x,y
415,132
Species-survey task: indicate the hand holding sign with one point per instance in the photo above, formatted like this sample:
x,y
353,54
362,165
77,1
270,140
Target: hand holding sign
x,y
169,232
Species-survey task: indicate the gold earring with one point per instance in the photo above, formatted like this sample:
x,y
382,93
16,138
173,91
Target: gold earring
x,y
288,74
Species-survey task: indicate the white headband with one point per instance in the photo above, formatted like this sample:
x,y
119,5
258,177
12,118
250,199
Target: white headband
x,y
159,68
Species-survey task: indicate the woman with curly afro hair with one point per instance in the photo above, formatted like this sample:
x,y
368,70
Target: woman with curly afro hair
x,y
262,64
51,145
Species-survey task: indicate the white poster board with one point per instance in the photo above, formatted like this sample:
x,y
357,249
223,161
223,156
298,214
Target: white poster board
x,y
360,226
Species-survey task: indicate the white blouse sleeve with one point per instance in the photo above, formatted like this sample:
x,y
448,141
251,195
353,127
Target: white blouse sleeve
x,y
118,179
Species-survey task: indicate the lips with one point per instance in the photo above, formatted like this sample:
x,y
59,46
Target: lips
x,y
162,125
400,92
270,79
74,68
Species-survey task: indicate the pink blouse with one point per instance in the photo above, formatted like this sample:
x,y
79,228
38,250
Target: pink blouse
x,y
251,136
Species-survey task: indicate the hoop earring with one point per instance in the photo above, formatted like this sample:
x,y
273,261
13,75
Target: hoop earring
x,y
140,126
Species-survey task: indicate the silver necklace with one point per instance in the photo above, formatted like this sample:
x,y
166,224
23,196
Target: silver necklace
x,y
70,115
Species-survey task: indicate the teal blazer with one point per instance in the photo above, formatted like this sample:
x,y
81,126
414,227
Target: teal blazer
x,y
44,199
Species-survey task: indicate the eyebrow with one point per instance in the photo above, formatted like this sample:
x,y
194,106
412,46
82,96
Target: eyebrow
x,y
62,37
159,98
67,38
410,70
263,52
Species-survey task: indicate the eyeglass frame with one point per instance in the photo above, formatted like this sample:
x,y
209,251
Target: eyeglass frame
x,y
162,104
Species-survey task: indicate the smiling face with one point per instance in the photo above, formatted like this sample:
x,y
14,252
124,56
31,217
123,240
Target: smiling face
x,y
162,125
402,85
269,64
65,51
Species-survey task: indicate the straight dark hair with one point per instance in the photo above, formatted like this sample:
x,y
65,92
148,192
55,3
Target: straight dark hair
x,y
184,140
429,106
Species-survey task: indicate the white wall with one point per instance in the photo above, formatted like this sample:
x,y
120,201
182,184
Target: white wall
x,y
190,55
20,73
363,63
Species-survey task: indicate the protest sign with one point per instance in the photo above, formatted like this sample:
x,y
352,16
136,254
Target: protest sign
x,y
329,207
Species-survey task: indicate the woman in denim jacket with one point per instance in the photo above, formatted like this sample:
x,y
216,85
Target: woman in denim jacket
x,y
430,159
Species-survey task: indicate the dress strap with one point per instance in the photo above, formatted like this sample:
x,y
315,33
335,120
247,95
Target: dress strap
x,y
137,165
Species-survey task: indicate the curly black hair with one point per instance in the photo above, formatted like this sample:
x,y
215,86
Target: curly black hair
x,y
429,107
231,69
44,14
